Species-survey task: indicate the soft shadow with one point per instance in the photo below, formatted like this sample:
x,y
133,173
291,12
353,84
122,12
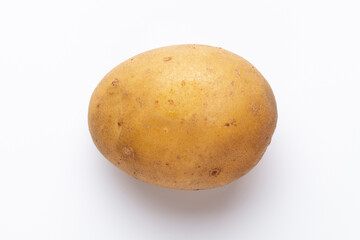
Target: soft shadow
x,y
181,202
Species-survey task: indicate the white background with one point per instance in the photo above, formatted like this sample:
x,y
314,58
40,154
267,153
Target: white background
x,y
54,184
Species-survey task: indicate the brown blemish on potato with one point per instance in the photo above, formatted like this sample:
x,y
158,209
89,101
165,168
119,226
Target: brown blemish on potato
x,y
128,152
97,105
254,107
233,122
268,140
178,157
119,123
199,166
115,82
156,101
166,59
166,130
171,101
205,104
183,83
215,172
167,164
131,60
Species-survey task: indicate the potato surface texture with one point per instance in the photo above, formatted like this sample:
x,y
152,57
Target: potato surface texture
x,y
184,116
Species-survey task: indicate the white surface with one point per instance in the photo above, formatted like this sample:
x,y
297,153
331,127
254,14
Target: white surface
x,y
54,184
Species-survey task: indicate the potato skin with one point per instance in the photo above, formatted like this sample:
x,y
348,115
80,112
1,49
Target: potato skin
x,y
184,116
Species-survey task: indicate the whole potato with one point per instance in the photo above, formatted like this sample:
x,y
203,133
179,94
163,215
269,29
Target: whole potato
x,y
183,116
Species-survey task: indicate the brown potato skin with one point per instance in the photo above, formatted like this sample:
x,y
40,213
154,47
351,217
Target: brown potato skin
x,y
184,117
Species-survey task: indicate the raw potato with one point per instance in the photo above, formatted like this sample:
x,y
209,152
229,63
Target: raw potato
x,y
183,117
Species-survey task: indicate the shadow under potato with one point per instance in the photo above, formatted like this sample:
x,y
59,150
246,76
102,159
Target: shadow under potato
x,y
184,202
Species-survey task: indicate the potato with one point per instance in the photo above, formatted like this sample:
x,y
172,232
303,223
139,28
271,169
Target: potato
x,y
185,116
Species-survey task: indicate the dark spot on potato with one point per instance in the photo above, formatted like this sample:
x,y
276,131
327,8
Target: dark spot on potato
x,y
233,122
156,101
227,124
268,140
128,152
199,166
98,106
205,119
183,83
171,101
131,59
166,59
215,172
254,107
219,48
115,82
197,189
167,164
178,157
119,123
134,173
